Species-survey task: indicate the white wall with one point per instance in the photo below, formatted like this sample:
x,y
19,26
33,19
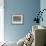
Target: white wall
x,y
1,25
1,20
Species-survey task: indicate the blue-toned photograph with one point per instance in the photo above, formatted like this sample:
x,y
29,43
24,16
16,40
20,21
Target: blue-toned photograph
x,y
22,22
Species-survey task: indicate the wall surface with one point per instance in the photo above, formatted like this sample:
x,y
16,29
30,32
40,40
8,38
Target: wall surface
x,y
1,20
27,8
1,24
43,6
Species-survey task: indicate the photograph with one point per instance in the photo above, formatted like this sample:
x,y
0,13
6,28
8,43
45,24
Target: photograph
x,y
22,22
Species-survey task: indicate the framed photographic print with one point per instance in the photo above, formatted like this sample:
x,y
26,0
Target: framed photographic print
x,y
17,19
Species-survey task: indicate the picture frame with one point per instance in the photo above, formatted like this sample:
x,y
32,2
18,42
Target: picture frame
x,y
17,19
